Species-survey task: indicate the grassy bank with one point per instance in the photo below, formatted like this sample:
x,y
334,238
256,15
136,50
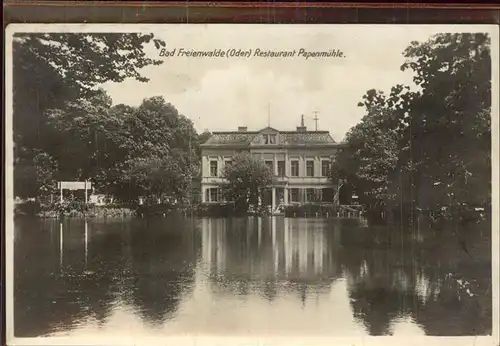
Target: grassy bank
x,y
72,209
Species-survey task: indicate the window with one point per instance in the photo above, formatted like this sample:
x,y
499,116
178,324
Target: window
x,y
325,168
295,168
310,195
214,196
270,165
281,168
294,195
213,168
228,163
310,168
318,195
269,139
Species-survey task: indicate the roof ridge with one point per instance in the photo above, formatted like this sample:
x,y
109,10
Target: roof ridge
x,y
236,132
256,132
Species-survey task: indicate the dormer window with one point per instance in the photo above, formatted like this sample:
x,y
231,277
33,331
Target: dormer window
x,y
269,138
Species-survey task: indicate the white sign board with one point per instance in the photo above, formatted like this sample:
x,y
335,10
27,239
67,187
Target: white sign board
x,y
75,185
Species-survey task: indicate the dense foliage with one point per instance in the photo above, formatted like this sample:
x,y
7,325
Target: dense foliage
x,y
430,148
68,129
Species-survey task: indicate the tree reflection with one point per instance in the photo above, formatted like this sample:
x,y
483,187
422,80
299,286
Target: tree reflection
x,y
57,282
76,273
162,267
421,275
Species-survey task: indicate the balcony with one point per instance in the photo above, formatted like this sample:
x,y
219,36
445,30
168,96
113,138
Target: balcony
x,y
213,180
300,180
278,180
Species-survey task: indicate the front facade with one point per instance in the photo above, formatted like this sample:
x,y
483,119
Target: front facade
x,y
300,161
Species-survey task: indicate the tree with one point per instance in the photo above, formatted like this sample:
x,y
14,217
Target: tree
x,y
50,70
157,178
448,123
204,136
247,177
428,148
150,150
39,176
370,157
161,149
83,137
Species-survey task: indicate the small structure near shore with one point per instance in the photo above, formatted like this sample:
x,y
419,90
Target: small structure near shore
x,y
74,186
100,199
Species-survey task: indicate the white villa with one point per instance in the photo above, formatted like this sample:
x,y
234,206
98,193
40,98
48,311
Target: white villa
x,y
300,161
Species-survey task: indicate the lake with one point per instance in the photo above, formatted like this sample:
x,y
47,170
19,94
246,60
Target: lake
x,y
248,276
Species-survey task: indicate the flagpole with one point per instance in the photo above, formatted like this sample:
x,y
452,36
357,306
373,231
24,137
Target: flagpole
x,y
269,114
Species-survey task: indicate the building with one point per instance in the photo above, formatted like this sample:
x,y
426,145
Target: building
x,y
300,161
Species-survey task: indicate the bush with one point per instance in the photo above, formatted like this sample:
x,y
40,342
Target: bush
x,y
30,208
217,210
112,212
154,209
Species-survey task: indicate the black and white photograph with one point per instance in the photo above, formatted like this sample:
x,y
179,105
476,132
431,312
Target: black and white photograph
x,y
227,181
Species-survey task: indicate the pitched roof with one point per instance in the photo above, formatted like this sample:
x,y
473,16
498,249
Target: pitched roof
x,y
255,138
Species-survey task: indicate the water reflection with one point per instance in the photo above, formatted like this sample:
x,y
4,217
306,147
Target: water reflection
x,y
270,255
247,276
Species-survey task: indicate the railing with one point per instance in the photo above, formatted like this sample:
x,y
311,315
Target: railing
x,y
302,180
276,179
350,211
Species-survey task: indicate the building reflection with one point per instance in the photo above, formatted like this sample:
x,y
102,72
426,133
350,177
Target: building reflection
x,y
269,254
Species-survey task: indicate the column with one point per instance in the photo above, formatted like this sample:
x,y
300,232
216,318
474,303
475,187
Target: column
x,y
275,165
287,164
273,198
285,195
203,195
86,195
302,166
220,165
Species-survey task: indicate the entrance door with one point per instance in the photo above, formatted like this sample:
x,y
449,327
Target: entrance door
x,y
267,197
280,196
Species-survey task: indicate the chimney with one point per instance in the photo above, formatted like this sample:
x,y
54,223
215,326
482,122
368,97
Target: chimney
x,y
242,129
302,127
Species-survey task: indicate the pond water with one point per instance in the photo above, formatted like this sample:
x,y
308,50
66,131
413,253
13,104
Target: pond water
x,y
248,276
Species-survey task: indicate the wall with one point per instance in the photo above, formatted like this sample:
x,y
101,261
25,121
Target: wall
x,y
317,154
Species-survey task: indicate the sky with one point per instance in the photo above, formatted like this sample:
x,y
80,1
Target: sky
x,y
220,94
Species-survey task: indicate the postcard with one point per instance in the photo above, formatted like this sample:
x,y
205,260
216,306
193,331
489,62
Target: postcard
x,y
252,184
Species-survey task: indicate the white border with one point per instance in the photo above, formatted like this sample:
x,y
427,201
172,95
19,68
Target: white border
x,y
493,340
